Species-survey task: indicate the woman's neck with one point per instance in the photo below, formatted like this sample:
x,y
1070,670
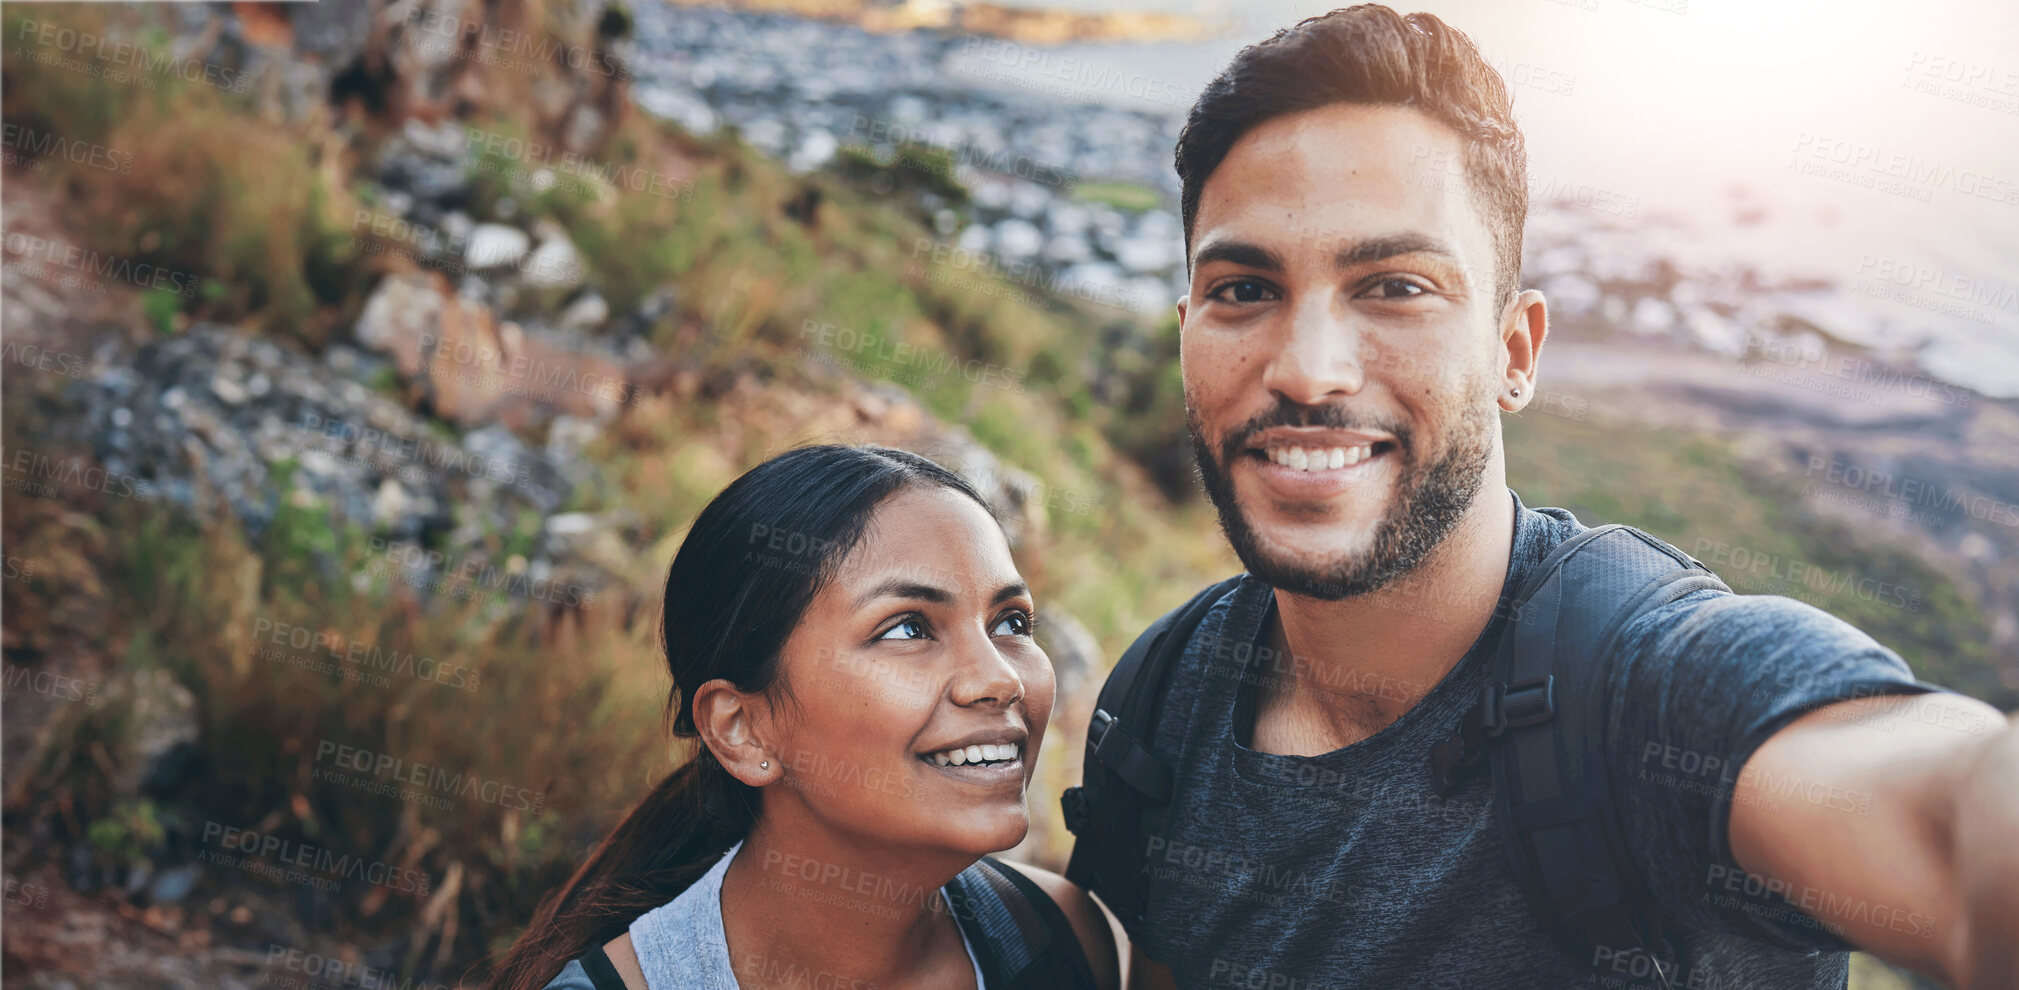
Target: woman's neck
x,y
803,903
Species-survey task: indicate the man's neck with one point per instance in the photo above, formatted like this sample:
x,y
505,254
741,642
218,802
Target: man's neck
x,y
1351,667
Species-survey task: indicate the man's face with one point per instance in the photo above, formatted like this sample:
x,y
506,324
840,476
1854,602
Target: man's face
x,y
1342,354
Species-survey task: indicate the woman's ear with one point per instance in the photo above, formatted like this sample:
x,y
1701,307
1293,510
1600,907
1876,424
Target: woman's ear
x,y
733,726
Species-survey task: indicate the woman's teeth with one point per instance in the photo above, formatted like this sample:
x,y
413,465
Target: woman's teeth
x,y
982,753
1320,458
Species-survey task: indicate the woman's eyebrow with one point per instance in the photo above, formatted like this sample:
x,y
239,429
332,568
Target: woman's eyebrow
x,y
1009,591
905,588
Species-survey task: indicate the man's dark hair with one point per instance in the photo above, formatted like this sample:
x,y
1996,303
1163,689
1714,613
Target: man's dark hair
x,y
1370,54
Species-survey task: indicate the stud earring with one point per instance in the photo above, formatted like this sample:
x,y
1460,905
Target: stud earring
x,y
766,765
1516,391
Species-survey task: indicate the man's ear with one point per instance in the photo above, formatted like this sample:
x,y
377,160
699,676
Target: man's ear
x,y
1183,301
1522,328
734,726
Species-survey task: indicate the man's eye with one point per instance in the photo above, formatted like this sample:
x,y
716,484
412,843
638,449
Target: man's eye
x,y
1013,624
1243,291
1397,288
910,628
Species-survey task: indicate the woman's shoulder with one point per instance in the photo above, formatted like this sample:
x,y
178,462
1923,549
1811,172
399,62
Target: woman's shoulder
x,y
1088,921
594,970
572,977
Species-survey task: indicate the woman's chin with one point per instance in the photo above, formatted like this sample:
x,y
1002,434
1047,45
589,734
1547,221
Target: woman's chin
x,y
984,833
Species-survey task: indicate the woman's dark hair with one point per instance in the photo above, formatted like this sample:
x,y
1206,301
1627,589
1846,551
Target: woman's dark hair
x,y
753,560
1370,54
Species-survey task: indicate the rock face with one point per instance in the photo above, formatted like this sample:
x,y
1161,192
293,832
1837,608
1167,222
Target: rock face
x,y
472,370
161,731
213,421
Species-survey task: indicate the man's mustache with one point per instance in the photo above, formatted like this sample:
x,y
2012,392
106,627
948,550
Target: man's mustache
x,y
1331,416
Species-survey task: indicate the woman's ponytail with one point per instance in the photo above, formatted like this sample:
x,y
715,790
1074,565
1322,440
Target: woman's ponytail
x,y
665,844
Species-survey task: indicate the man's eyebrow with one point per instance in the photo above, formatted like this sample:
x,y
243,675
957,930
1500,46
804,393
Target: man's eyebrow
x,y
1250,255
1392,245
1242,253
905,588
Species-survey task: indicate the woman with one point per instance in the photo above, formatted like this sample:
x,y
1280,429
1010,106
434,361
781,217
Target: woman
x,y
851,643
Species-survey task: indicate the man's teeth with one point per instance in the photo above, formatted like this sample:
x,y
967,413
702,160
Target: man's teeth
x,y
1320,458
981,753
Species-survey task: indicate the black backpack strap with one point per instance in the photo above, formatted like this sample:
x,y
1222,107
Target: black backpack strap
x,y
1021,939
1539,726
601,971
1124,784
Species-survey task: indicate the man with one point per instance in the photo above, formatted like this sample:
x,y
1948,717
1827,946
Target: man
x,y
1352,324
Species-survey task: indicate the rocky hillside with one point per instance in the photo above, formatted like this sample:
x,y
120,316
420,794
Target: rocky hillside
x,y
363,412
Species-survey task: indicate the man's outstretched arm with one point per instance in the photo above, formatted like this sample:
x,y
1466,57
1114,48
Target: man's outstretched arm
x,y
1893,821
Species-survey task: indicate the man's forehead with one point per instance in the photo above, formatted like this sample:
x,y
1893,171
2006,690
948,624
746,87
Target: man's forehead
x,y
1327,178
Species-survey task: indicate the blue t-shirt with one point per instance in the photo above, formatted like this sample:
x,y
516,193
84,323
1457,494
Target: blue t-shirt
x,y
1346,870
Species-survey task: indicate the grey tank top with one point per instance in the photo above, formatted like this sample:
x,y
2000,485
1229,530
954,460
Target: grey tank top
x,y
680,944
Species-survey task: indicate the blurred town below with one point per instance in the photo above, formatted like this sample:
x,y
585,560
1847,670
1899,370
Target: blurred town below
x,y
364,364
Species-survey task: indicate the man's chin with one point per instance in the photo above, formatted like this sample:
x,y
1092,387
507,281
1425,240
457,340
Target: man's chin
x,y
1329,566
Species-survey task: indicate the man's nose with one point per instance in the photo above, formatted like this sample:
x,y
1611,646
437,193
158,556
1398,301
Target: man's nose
x,y
1318,354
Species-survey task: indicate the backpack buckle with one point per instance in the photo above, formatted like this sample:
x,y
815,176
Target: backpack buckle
x,y
1098,727
1073,806
1517,705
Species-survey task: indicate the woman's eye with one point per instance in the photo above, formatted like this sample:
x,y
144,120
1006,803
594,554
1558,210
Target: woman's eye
x,y
1397,288
1243,291
911,628
1013,624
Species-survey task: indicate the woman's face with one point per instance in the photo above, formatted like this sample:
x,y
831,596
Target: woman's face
x,y
917,696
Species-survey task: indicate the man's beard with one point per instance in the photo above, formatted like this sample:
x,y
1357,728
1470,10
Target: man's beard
x,y
1429,499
